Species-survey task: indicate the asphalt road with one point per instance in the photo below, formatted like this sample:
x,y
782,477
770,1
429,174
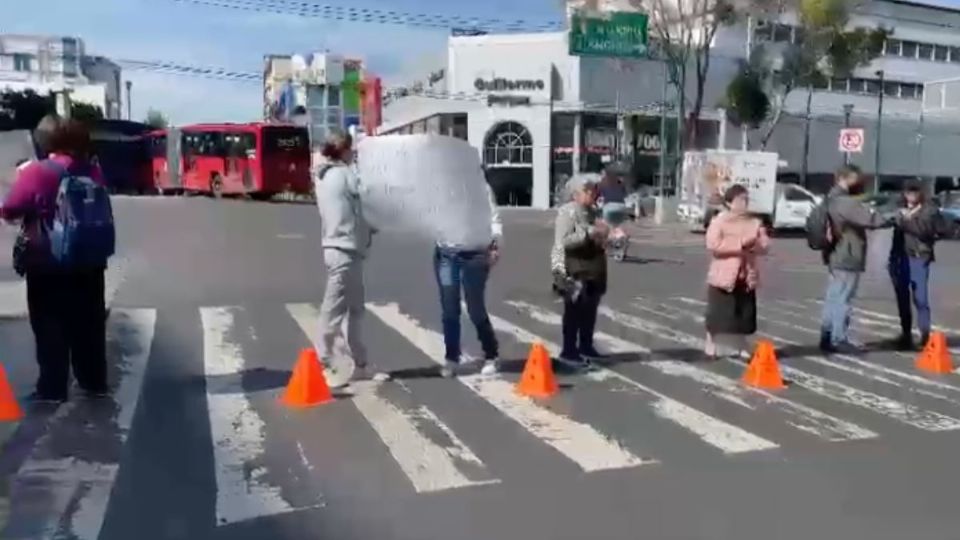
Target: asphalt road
x,y
214,300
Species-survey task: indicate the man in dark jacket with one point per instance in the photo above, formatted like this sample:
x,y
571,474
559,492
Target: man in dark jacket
x,y
918,226
847,257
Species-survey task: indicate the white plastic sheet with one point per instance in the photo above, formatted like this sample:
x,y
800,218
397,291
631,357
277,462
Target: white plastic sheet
x,y
426,185
878,253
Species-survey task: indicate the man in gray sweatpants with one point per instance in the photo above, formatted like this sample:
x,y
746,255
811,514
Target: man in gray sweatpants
x,y
346,238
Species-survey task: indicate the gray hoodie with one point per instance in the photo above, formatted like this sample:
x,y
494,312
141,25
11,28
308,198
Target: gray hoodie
x,y
338,198
850,219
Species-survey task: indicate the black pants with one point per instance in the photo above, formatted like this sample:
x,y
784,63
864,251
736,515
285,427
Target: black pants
x,y
67,314
580,319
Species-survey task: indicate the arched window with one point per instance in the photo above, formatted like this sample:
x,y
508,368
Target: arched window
x,y
508,143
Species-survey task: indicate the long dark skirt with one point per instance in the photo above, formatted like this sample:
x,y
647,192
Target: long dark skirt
x,y
731,312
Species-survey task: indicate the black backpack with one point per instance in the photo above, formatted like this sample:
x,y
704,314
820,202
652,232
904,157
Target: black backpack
x,y
819,229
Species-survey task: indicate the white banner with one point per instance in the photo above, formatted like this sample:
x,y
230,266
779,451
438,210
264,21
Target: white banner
x,y
879,243
428,185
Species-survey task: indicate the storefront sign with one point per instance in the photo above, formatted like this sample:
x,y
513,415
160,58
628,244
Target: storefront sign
x,y
648,143
501,85
620,34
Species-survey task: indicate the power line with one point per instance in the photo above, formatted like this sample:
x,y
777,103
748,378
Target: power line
x,y
173,68
379,16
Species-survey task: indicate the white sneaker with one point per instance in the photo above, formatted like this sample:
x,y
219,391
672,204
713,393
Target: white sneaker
x,y
364,373
490,367
449,369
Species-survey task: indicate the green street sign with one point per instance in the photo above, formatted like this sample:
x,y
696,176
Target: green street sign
x,y
621,34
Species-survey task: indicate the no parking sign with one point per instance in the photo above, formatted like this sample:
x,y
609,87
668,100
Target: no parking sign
x,y
851,140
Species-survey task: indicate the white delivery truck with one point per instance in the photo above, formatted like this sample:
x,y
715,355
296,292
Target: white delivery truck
x,y
707,174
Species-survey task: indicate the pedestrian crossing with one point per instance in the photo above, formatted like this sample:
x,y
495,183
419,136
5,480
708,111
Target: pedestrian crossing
x,y
652,404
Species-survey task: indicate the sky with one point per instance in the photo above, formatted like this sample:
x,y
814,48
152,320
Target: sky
x,y
236,39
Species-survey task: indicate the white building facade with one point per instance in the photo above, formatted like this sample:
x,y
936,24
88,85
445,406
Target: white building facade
x,y
536,113
49,64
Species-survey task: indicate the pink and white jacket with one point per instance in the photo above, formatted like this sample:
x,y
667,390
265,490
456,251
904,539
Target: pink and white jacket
x,y
730,261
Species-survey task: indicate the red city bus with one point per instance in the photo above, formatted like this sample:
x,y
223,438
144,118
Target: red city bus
x,y
259,160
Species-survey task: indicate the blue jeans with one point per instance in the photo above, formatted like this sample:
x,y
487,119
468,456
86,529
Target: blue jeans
x,y
456,269
912,275
615,213
841,288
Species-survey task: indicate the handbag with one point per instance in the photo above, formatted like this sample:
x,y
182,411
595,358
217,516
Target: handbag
x,y
20,253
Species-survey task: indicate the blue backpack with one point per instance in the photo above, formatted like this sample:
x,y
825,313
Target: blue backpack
x,y
81,233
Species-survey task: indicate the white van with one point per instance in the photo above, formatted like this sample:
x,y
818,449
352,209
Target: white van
x,y
791,209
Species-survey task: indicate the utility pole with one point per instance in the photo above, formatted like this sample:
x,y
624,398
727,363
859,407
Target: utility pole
x,y
804,165
129,100
876,181
663,132
847,111
744,133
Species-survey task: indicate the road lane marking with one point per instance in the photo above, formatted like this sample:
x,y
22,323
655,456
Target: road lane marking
x,y
879,368
291,236
726,437
579,442
428,465
74,492
237,431
804,418
13,293
896,410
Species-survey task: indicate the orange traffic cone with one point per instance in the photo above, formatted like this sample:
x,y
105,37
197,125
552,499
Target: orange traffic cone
x,y
538,380
9,410
935,357
307,386
764,371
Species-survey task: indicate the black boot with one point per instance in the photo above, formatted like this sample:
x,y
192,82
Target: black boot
x,y
905,342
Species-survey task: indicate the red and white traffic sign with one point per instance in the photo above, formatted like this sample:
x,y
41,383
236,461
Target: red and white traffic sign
x,y
851,140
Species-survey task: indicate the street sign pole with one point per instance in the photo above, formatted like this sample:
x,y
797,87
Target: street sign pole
x,y
847,110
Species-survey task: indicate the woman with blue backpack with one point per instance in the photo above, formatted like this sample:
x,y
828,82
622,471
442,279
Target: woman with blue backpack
x,y
66,237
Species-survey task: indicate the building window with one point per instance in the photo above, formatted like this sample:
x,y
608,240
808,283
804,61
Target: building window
x,y
925,51
940,53
508,144
891,89
840,85
873,87
892,47
22,62
460,126
955,54
909,49
782,33
763,31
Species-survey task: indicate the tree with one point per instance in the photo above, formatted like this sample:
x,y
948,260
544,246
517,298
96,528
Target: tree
x,y
84,112
156,119
681,33
746,102
684,31
23,109
826,49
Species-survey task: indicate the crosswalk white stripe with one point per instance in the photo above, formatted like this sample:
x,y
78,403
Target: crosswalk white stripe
x,y
848,361
429,466
728,438
804,418
236,428
897,410
579,442
890,321
78,489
